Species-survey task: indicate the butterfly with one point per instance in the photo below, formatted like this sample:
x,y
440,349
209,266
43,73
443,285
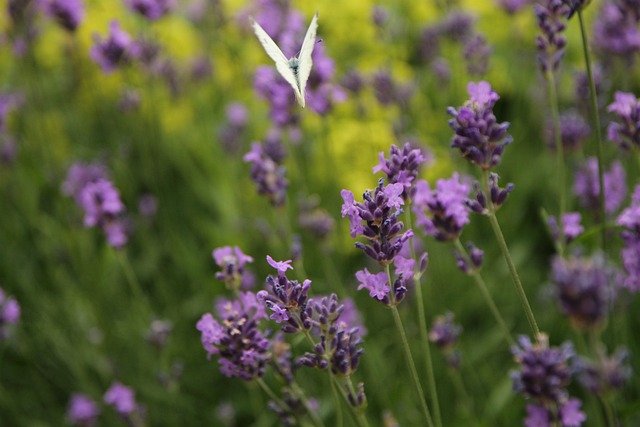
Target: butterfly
x,y
297,69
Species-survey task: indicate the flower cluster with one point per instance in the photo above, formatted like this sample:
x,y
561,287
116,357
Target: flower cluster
x,y
82,411
615,30
151,9
90,188
551,17
478,136
584,289
267,171
231,133
571,227
607,373
116,50
242,349
626,130
123,400
574,130
379,212
587,186
402,166
443,211
544,374
9,314
497,196
630,219
68,13
444,334
473,262
232,262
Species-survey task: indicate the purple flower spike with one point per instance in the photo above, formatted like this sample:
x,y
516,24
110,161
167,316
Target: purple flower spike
x,y
402,166
82,411
68,13
376,284
9,314
625,131
444,332
122,398
349,208
571,227
267,171
287,300
478,136
615,30
630,219
79,175
232,261
587,186
151,9
606,374
551,17
442,212
118,49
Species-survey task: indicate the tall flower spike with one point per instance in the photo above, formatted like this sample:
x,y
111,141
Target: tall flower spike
x,y
267,173
68,13
478,136
116,50
402,166
551,17
442,212
625,131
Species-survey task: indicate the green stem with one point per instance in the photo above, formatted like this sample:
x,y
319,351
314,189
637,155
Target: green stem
x,y
411,364
507,256
336,403
593,97
424,334
553,101
132,280
487,295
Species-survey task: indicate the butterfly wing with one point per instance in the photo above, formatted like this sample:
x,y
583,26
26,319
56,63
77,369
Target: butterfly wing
x,y
304,61
274,52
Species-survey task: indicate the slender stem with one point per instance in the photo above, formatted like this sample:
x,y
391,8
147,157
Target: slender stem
x,y
134,285
593,97
424,334
560,170
410,363
336,402
507,256
487,295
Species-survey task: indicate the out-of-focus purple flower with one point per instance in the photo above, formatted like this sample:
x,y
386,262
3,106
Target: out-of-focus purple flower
x,y
513,6
606,374
231,133
442,212
79,175
122,398
380,16
379,211
551,17
322,93
353,81
116,50
8,103
159,332
544,374
477,52
402,166
82,411
147,206
404,266
626,130
242,349
314,219
630,219
9,314
267,173
376,284
388,92
478,136
429,44
68,13
571,227
201,68
232,262
615,29
587,186
584,289
350,317
444,332
574,130
151,9
457,25
129,100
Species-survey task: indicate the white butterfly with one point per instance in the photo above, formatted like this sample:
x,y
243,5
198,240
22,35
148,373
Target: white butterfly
x,y
295,70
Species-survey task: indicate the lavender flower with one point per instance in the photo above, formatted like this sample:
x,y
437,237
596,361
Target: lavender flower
x,y
151,9
9,314
626,130
388,92
476,52
123,400
630,219
582,287
444,333
322,94
473,263
377,284
615,30
442,212
571,227
544,374
79,175
574,130
287,299
402,166
232,261
606,374
82,411
158,333
513,6
104,209
147,206
118,49
68,13
379,211
232,132
587,186
315,220
478,136
497,195
551,17
267,173
242,350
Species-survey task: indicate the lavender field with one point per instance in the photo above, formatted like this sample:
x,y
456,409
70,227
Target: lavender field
x,y
430,217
